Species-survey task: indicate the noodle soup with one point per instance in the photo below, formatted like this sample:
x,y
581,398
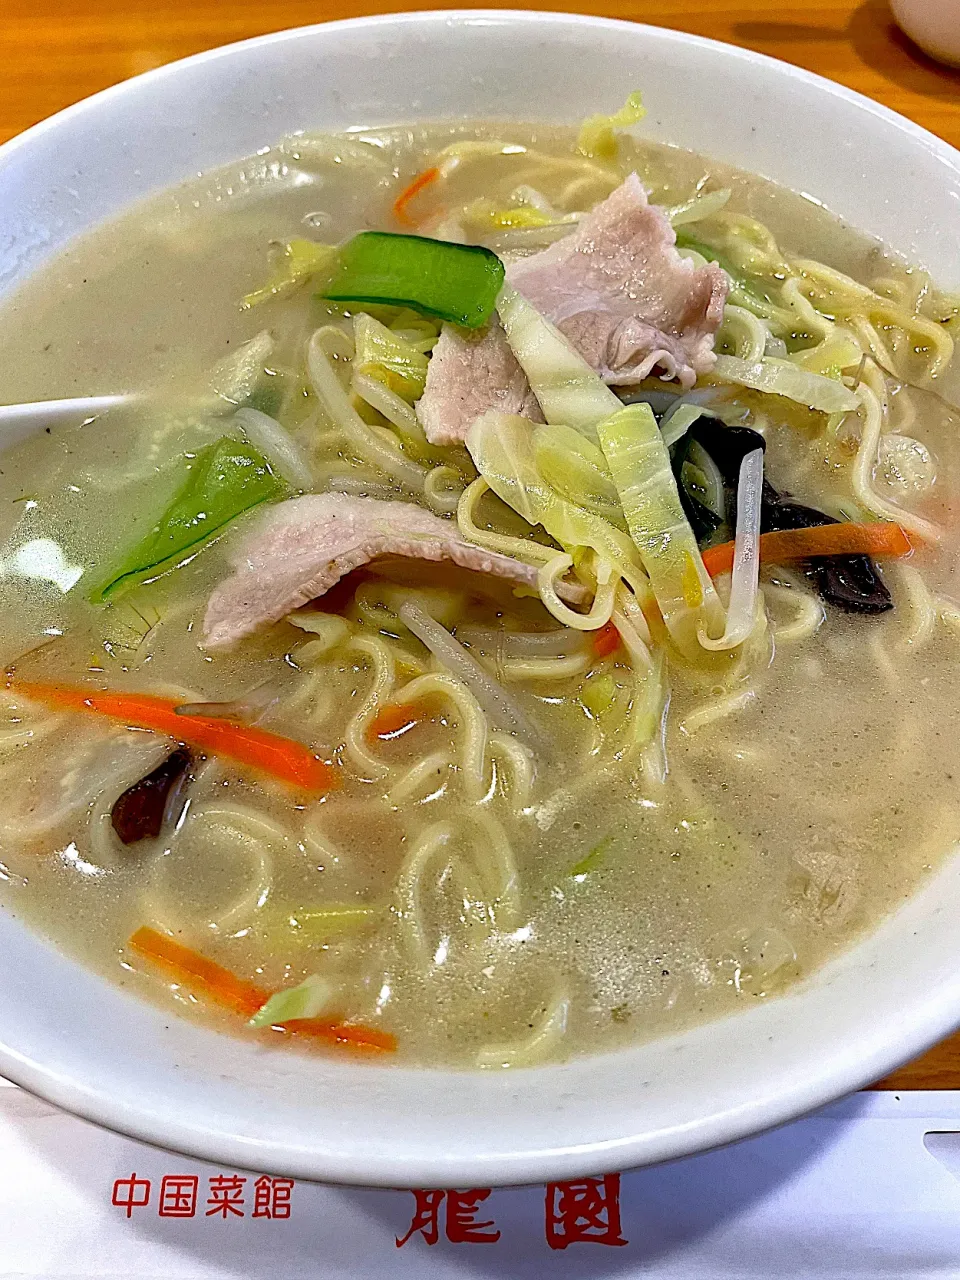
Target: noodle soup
x,y
554,752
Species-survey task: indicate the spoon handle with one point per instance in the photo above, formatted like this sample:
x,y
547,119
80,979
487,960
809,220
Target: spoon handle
x,y
18,421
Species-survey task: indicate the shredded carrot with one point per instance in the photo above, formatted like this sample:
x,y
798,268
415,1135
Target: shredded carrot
x,y
421,181
606,640
394,720
882,538
224,988
203,975
282,758
353,1034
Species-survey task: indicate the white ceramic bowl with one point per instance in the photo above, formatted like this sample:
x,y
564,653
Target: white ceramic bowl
x,y
87,1046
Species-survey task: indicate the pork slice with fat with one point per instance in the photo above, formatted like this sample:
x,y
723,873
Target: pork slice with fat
x,y
297,550
623,295
468,374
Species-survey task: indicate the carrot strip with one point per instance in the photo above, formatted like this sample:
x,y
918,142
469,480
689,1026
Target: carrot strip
x,y
353,1034
882,538
227,990
393,720
421,181
282,758
606,640
203,975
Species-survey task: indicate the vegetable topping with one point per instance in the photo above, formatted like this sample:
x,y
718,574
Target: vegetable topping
x,y
282,758
138,813
224,988
457,282
223,481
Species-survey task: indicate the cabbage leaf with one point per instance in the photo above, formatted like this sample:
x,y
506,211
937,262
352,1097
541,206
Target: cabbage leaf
x,y
388,357
831,356
576,468
785,378
503,451
597,138
569,391
309,999
640,464
300,260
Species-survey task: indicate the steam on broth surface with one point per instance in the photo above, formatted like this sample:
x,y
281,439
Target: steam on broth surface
x,y
587,810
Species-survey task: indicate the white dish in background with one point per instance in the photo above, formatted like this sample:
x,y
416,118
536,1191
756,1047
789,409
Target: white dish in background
x,y
932,24
85,1044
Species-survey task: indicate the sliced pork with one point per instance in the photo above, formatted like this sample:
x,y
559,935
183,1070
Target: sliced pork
x,y
468,374
618,289
297,550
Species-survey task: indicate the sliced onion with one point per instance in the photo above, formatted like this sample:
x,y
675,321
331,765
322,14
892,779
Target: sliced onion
x,y
247,709
720,400
503,711
267,435
699,207
677,421
560,643
713,495
742,610
659,401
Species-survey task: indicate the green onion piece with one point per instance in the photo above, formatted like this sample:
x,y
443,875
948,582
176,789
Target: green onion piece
x,y
311,998
457,282
223,481
589,863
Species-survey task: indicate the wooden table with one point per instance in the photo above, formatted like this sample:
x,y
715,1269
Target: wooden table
x,y
54,52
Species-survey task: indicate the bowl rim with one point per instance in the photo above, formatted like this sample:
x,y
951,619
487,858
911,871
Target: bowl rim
x,y
932,1016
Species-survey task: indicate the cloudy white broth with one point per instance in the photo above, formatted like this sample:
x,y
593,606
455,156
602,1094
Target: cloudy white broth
x,y
487,647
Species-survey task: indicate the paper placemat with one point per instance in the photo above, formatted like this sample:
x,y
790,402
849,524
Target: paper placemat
x,y
870,1186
